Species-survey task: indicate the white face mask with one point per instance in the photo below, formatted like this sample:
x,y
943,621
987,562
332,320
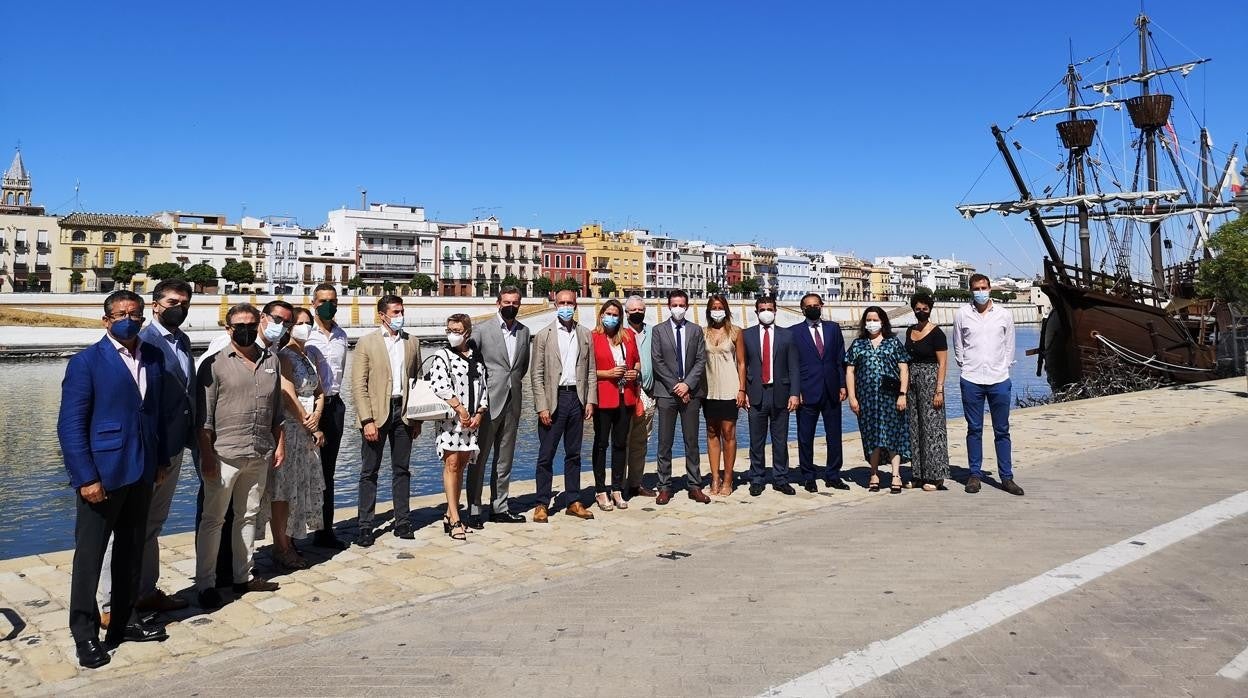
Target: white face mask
x,y
718,315
678,313
873,326
766,317
300,333
454,339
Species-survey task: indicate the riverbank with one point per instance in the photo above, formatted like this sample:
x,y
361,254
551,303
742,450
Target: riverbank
x,y
396,579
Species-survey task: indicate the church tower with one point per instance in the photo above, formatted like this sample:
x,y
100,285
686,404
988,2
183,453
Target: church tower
x,y
15,187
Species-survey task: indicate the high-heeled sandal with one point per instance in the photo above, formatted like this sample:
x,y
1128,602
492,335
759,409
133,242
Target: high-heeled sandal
x,y
894,485
618,499
458,531
873,485
446,524
604,503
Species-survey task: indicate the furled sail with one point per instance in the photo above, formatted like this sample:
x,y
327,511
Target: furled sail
x,y
1112,103
1107,87
1008,207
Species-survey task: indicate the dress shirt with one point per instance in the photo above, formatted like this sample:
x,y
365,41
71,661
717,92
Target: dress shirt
x,y
331,357
184,359
682,345
240,402
983,343
770,356
816,331
509,338
396,350
137,370
569,352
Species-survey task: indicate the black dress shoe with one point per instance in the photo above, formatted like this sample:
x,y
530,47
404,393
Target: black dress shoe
x,y
365,538
92,654
972,485
836,483
475,522
786,488
326,539
506,517
137,632
404,532
811,486
210,599
756,489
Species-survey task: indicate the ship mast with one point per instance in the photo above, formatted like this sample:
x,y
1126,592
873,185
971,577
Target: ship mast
x,y
1077,136
1155,118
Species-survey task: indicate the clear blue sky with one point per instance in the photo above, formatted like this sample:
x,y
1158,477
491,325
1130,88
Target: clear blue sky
x,y
825,125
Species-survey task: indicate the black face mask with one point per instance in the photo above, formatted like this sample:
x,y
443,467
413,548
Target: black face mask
x,y
245,336
509,312
173,317
637,318
812,313
921,316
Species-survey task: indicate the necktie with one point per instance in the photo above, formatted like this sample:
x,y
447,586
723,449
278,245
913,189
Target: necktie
x,y
680,354
819,340
766,355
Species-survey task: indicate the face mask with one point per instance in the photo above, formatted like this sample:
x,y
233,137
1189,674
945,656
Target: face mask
x,y
509,312
396,323
678,313
921,315
125,329
873,326
718,316
300,333
565,313
454,339
812,313
325,311
244,336
610,321
981,297
274,332
766,317
173,317
637,318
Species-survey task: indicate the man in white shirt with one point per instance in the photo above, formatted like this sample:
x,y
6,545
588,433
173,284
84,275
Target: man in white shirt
x,y
327,345
983,346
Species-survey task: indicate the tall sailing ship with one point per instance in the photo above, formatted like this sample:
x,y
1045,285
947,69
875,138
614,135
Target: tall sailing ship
x,y
1139,305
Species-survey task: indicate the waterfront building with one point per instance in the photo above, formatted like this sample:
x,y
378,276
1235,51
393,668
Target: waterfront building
x,y
391,243
792,274
283,258
692,267
745,263
200,238
661,257
855,284
614,256
715,261
500,254
765,270
824,276
91,245
564,260
27,234
455,276
732,272
877,287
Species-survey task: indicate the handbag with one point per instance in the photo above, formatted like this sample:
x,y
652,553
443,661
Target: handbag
x,y
890,386
422,404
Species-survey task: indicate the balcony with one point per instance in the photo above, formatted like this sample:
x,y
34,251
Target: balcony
x,y
43,246
21,246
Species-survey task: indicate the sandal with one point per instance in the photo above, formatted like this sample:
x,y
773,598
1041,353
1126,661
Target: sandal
x,y
446,525
929,487
873,485
458,531
619,501
290,560
894,485
603,503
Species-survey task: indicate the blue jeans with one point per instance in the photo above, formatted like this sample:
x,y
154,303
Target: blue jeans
x,y
998,396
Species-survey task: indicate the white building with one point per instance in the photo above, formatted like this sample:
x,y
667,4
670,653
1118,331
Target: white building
x,y
209,239
392,243
824,276
455,243
692,267
661,258
792,274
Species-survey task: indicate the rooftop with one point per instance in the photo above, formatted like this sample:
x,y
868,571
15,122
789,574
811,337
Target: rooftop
x,y
111,220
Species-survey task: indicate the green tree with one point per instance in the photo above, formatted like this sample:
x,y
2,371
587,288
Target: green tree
x,y
424,284
542,286
749,287
922,291
32,283
712,287
606,288
482,287
75,280
238,273
568,284
387,287
512,280
355,284
165,270
952,294
1225,276
123,272
1003,296
201,275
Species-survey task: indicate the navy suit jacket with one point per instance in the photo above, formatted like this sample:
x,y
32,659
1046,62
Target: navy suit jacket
x,y
785,368
108,434
177,390
822,377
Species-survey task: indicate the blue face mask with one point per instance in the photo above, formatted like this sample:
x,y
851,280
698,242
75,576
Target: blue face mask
x,y
610,321
981,297
396,323
274,332
125,329
565,313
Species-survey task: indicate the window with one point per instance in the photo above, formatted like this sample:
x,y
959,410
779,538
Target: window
x,y
230,243
79,258
205,242
446,250
139,239
578,262
110,259
291,247
78,236
546,260
307,248
140,258
110,237
182,243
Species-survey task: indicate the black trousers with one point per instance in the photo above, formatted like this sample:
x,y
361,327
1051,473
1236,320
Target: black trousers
x,y
768,418
331,425
123,515
611,427
395,432
567,424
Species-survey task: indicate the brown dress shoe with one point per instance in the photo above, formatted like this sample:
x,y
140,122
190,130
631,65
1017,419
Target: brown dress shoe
x,y
160,601
641,491
540,514
697,495
579,511
663,497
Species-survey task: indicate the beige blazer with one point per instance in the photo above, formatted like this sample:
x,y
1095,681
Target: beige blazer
x,y
547,366
370,376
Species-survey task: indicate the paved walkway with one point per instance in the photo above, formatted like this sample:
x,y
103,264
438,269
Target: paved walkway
x,y
773,588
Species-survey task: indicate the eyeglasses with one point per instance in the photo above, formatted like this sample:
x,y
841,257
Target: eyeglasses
x,y
278,320
118,318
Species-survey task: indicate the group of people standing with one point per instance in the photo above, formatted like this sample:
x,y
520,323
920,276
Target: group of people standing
x,y
263,419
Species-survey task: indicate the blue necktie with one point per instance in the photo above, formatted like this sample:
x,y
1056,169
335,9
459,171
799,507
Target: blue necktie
x,y
680,354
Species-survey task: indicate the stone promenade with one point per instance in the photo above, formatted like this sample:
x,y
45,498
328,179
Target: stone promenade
x,y
743,595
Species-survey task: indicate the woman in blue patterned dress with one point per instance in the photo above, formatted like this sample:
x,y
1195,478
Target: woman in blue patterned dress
x,y
877,375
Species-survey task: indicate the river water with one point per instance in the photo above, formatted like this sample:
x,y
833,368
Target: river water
x,y
37,506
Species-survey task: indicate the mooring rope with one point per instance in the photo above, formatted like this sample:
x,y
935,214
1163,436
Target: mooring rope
x,y
1137,358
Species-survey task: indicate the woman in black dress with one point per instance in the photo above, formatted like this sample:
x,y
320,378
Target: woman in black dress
x,y
929,353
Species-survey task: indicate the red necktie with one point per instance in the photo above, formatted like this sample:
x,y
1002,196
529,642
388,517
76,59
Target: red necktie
x,y
819,340
766,355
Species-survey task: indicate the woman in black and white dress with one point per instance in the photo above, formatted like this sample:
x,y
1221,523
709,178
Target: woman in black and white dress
x,y
458,376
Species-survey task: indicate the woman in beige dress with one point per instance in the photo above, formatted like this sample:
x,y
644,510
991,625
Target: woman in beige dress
x,y
725,392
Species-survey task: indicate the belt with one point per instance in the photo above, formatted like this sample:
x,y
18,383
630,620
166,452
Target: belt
x,y
567,388
769,385
396,398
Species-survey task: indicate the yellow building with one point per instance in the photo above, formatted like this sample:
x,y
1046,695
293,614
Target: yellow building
x,y
879,282
614,256
854,282
92,244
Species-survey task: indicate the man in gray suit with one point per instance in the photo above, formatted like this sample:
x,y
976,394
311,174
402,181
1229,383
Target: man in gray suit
x,y
679,354
504,345
565,390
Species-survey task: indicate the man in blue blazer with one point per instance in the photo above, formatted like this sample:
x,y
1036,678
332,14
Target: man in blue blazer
x,y
772,373
112,441
821,353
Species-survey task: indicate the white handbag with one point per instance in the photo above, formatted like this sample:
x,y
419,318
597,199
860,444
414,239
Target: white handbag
x,y
422,404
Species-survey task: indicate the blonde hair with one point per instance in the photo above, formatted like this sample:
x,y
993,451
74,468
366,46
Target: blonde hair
x,y
731,331
599,328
